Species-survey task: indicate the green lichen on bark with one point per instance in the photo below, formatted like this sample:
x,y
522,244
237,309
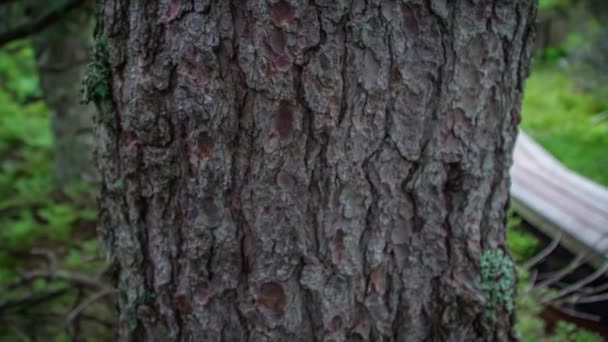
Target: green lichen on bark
x,y
497,279
96,84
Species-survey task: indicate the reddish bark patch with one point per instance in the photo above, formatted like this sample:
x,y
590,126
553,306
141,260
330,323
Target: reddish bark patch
x,y
275,50
182,304
201,295
204,150
286,180
281,12
282,63
339,251
268,69
377,280
246,246
276,41
335,324
410,20
358,316
283,120
127,138
197,73
515,118
483,11
395,76
172,10
191,63
272,296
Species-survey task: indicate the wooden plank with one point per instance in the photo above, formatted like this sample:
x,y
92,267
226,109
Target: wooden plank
x,y
558,201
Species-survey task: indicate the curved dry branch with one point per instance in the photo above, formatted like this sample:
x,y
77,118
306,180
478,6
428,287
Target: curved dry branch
x,y
577,285
543,254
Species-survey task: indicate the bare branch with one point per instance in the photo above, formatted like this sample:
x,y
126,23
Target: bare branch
x,y
543,254
93,298
592,299
40,23
578,314
32,299
49,254
72,277
596,290
576,263
559,275
577,285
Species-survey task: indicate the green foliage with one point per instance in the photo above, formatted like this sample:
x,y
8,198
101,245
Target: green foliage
x,y
34,213
548,4
522,244
497,279
552,54
562,118
529,326
565,332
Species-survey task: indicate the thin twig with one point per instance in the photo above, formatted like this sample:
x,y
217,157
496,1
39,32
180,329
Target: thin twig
x,y
40,23
578,314
93,298
559,275
592,299
578,261
49,254
531,281
32,299
596,290
73,277
577,285
543,254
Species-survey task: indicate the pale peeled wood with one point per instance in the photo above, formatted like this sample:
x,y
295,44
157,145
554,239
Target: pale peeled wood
x,y
558,201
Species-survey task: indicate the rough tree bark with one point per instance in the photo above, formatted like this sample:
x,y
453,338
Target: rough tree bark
x,y
309,170
62,52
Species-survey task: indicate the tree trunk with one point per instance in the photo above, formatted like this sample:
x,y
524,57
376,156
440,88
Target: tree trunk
x,y
310,170
62,52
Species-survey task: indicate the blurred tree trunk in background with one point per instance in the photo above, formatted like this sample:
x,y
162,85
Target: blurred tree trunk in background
x,y
309,170
62,52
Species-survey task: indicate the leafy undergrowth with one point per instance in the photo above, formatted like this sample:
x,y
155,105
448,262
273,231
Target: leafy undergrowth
x,y
530,326
567,121
51,271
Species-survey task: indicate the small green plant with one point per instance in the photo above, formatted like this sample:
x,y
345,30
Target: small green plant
x,y
96,84
522,244
497,279
531,328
